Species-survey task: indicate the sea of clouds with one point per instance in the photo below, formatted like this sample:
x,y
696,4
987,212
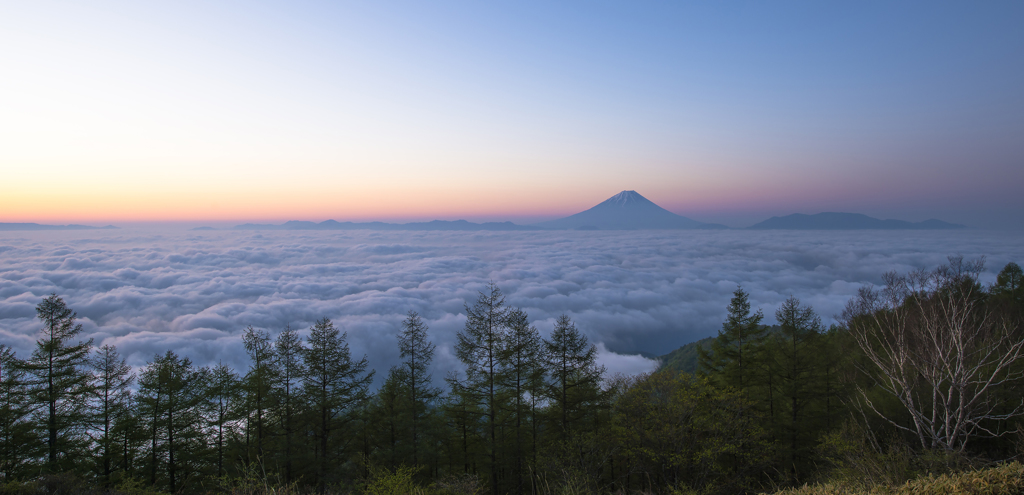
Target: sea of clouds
x,y
150,290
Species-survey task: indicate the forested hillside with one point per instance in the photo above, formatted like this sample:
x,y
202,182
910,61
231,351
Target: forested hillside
x,y
922,376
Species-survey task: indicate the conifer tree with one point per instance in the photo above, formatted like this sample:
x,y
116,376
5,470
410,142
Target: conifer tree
x,y
259,380
224,399
417,352
172,393
479,347
61,384
795,350
113,378
289,349
523,376
730,359
333,385
574,389
19,443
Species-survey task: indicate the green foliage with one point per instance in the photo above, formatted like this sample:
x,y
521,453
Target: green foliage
x,y
20,443
479,348
333,386
682,431
397,482
172,393
686,359
574,389
61,384
528,415
1010,283
731,359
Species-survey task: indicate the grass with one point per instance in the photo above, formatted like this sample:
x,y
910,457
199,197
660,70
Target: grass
x,y
1006,479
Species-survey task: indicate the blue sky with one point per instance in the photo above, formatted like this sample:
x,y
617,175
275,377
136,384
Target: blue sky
x,y
725,112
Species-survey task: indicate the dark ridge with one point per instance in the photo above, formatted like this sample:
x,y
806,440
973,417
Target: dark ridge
x,y
847,221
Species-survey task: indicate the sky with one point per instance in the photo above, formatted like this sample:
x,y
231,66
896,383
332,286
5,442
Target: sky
x,y
150,290
727,112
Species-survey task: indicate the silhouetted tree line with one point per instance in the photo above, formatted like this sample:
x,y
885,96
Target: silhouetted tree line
x,y
930,365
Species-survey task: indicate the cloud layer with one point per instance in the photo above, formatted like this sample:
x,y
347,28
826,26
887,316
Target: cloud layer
x,y
147,291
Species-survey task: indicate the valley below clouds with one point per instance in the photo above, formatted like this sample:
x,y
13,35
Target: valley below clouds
x,y
150,290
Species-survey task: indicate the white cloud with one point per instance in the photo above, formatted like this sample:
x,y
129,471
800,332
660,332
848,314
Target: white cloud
x,y
151,290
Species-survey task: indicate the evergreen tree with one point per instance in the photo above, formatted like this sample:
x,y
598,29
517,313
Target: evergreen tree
x,y
478,347
259,381
289,349
1009,289
333,385
575,389
62,383
386,414
795,349
462,415
730,360
523,376
172,393
417,352
20,446
224,405
113,378
129,431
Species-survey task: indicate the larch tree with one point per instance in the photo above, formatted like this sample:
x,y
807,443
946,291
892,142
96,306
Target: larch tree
x,y
289,349
172,394
224,404
523,376
730,359
113,378
575,376
333,384
19,442
62,383
795,350
259,380
417,352
479,347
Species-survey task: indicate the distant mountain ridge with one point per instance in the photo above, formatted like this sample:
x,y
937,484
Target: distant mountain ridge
x,y
848,221
461,225
36,226
627,210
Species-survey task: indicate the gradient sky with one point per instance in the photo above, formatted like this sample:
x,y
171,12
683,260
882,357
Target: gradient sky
x,y
724,112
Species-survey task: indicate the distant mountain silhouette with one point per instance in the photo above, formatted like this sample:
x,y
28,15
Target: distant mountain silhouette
x,y
36,226
847,221
432,225
627,210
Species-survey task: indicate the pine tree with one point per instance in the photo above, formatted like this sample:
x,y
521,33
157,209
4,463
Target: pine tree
x,y
730,360
62,383
333,385
479,347
113,378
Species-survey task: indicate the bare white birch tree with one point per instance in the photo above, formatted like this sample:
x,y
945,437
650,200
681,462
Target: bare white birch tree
x,y
935,346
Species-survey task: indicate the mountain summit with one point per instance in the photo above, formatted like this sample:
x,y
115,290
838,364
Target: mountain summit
x,y
627,210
